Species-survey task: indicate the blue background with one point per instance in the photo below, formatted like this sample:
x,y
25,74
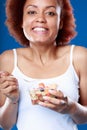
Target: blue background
x,y
80,12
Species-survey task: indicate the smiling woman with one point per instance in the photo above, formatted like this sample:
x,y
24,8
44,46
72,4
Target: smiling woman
x,y
15,27
44,82
47,19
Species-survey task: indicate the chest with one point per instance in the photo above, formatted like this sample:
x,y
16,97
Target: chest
x,y
67,83
51,69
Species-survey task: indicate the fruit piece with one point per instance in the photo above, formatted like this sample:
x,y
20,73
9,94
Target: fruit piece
x,y
37,93
41,85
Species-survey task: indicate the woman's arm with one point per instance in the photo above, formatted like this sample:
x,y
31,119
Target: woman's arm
x,y
8,114
9,93
80,114
77,111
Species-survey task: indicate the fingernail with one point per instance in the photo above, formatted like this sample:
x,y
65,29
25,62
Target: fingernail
x,y
62,102
44,97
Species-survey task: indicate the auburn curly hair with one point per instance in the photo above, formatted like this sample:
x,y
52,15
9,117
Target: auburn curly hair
x,y
14,13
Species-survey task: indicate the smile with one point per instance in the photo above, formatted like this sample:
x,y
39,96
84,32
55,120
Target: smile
x,y
40,29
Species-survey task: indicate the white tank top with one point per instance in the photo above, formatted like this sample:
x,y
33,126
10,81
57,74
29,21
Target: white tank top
x,y
36,117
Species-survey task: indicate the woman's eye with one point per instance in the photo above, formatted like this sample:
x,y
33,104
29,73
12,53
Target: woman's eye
x,y
51,13
31,12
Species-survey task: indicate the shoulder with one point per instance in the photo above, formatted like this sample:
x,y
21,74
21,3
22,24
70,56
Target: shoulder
x,y
6,61
81,62
7,58
80,53
80,59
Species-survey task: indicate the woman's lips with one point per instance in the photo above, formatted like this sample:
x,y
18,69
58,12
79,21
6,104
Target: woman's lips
x,y
40,30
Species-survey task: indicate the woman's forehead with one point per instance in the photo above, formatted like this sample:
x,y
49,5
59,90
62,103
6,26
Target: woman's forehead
x,y
43,2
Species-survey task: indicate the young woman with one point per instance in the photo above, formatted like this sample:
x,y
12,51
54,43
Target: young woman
x,y
45,28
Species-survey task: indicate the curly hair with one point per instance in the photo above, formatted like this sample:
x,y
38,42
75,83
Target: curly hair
x,y
14,13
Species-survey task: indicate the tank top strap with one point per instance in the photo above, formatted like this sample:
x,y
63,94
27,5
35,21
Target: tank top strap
x,y
71,54
15,57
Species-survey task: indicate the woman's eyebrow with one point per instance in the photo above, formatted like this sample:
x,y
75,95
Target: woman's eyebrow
x,y
35,6
51,6
31,6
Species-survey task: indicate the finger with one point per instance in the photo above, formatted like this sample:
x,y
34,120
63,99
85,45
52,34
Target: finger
x,y
5,84
46,104
2,80
9,89
57,93
49,99
4,73
9,80
52,106
55,101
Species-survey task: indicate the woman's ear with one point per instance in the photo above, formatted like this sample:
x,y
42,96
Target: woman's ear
x,y
61,25
22,25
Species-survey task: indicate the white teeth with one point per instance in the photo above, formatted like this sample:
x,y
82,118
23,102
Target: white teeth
x,y
39,29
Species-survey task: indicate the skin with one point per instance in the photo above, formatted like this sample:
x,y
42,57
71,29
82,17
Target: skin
x,y
47,17
41,23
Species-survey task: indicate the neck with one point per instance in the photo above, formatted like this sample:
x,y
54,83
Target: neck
x,y
43,54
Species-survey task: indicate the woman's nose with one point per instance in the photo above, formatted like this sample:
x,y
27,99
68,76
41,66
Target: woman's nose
x,y
41,18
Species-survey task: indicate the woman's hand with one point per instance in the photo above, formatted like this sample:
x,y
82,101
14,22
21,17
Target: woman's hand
x,y
58,102
9,87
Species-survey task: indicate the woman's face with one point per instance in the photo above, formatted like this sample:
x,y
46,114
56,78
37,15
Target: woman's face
x,y
41,20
